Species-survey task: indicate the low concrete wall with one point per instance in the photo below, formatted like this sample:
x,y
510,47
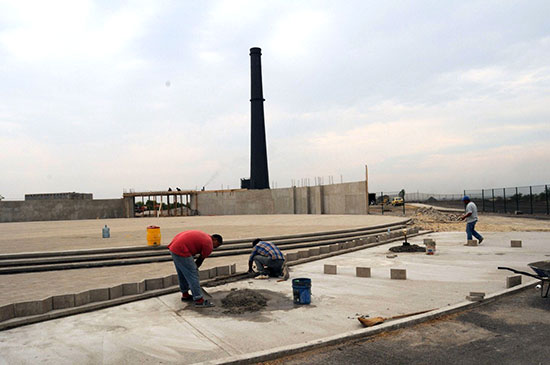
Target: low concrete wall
x,y
60,209
348,198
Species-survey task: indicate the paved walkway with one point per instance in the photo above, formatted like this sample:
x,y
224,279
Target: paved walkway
x,y
165,330
64,235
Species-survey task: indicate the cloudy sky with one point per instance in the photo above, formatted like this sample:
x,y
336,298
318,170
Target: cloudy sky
x,y
435,96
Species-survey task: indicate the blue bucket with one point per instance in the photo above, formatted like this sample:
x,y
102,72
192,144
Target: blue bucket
x,y
301,288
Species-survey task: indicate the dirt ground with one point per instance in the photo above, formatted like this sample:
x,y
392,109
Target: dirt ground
x,y
449,221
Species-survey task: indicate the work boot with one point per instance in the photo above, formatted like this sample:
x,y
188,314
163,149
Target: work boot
x,y
262,277
185,297
203,303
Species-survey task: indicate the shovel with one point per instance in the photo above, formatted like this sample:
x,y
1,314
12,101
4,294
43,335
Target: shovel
x,y
369,322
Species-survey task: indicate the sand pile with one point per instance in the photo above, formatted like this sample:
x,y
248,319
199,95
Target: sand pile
x,y
242,301
433,215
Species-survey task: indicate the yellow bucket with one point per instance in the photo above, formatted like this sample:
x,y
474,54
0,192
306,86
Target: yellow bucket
x,y
153,236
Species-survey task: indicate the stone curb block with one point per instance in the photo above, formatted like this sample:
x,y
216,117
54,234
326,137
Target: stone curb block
x,y
154,284
291,256
213,272
513,280
167,281
115,292
82,298
204,274
223,270
63,301
398,274
33,307
7,312
362,272
99,295
314,251
330,269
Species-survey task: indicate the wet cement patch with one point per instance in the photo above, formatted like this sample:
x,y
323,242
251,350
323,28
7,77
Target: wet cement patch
x,y
245,304
408,248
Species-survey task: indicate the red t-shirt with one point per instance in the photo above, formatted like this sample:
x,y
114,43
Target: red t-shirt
x,y
191,243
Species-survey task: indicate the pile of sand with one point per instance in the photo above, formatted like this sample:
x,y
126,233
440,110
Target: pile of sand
x,y
242,301
434,215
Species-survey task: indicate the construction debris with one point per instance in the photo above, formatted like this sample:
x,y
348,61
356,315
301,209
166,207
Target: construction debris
x,y
242,301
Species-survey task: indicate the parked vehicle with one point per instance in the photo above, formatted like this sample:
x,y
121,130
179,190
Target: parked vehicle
x,y
397,201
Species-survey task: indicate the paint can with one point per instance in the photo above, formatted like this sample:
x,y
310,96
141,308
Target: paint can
x,y
153,235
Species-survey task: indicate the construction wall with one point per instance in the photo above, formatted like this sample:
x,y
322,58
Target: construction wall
x,y
60,209
348,198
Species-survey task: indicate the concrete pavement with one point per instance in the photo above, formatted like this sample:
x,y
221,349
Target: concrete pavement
x,y
165,330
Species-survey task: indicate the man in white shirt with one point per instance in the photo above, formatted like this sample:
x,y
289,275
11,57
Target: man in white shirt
x,y
471,215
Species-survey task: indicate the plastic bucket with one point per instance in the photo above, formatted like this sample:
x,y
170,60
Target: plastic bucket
x,y
301,288
153,236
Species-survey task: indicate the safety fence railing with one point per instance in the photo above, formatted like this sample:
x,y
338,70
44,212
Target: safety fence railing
x,y
534,199
519,200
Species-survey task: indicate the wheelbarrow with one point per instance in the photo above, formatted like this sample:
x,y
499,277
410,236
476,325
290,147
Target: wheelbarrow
x,y
542,270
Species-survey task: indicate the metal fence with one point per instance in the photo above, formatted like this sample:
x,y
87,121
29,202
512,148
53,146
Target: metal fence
x,y
518,200
533,199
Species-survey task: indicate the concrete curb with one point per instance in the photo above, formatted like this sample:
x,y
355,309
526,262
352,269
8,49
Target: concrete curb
x,y
28,262
96,251
23,313
282,351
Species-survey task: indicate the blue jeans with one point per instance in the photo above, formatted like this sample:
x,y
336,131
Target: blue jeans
x,y
268,266
188,275
470,231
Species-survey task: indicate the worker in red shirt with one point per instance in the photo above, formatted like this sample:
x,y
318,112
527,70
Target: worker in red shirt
x,y
183,248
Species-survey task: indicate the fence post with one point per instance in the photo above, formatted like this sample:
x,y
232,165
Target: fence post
x,y
483,200
504,194
531,198
546,194
493,192
517,199
382,201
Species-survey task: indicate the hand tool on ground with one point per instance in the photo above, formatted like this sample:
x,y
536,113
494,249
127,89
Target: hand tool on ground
x,y
369,322
206,293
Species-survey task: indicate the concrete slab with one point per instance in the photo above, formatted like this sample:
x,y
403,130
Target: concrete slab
x,y
166,330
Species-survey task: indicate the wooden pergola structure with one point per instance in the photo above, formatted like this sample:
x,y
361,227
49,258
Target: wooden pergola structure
x,y
164,203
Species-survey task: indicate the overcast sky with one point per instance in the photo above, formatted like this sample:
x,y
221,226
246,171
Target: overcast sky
x,y
435,96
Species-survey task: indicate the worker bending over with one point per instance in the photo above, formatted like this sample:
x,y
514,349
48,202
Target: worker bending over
x,y
268,258
183,248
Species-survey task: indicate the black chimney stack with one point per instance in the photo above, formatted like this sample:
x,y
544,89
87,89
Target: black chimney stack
x,y
259,176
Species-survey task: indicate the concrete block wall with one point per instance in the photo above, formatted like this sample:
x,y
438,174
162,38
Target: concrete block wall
x,y
347,198
60,209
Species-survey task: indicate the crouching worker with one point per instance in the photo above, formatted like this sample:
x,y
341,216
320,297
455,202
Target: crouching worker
x,y
183,248
268,258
